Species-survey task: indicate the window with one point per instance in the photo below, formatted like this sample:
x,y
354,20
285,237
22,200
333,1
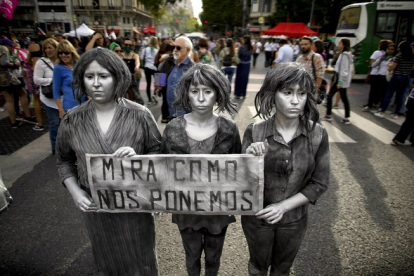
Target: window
x,y
50,8
128,20
255,6
111,3
386,22
266,5
349,19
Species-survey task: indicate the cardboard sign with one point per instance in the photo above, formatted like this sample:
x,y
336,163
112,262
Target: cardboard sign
x,y
186,184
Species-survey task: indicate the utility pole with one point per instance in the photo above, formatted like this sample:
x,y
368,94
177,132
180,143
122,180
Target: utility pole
x,y
244,14
311,15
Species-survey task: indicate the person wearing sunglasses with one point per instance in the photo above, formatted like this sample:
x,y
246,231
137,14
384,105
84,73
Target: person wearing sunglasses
x,y
117,49
182,50
62,78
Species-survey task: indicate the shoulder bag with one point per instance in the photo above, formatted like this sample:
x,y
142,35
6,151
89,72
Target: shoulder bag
x,y
47,90
322,88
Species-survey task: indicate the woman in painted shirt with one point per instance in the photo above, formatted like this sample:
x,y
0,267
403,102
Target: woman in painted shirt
x,y
62,78
123,243
202,131
296,167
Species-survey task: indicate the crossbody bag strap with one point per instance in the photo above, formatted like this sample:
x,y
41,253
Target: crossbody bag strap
x,y
47,64
313,68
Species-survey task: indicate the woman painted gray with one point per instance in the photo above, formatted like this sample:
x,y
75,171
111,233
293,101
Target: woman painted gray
x,y
201,131
123,243
296,167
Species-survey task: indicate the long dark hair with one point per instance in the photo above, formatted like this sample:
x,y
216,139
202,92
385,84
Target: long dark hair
x,y
230,45
405,50
247,42
283,76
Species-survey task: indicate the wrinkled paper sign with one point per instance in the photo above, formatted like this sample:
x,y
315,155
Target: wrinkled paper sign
x,y
187,184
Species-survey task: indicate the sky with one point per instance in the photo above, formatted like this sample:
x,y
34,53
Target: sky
x,y
197,7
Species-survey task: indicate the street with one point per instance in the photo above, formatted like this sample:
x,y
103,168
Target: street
x,y
361,226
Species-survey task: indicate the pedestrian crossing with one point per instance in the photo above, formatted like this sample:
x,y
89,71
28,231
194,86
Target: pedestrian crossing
x,y
337,136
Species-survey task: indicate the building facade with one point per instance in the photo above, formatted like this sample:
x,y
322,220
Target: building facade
x,y
259,10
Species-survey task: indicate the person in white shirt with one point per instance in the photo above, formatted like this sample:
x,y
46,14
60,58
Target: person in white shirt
x,y
257,47
268,53
285,53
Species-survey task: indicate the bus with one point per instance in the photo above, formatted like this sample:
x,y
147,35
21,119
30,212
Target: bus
x,y
365,24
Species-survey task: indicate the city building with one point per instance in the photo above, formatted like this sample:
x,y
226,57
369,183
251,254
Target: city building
x,y
259,10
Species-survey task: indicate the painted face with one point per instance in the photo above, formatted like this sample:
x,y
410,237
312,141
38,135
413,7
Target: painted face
x,y
180,51
305,46
202,98
290,102
99,83
50,50
66,57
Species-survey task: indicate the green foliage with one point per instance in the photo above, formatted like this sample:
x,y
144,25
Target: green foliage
x,y
221,15
156,7
187,23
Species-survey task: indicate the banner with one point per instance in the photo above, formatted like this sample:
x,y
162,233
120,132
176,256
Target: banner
x,y
7,8
202,184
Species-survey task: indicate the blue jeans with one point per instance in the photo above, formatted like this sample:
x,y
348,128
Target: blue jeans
x,y
229,72
54,123
397,84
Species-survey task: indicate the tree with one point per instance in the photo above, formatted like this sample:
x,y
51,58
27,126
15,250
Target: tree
x,y
222,15
156,7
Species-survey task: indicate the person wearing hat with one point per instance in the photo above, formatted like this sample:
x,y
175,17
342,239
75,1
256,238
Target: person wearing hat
x,y
9,84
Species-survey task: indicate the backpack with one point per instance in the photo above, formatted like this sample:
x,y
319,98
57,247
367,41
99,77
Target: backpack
x,y
204,58
227,60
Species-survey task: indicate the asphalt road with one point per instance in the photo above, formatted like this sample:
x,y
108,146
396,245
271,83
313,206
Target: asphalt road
x,y
361,226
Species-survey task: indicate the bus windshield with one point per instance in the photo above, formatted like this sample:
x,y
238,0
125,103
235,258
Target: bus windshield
x,y
349,18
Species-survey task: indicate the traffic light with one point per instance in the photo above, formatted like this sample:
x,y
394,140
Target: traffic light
x,y
177,22
205,22
228,33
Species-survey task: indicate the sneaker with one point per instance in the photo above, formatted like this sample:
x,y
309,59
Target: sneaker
x,y
150,104
154,100
38,128
30,120
394,116
346,121
379,114
16,124
327,118
366,108
335,106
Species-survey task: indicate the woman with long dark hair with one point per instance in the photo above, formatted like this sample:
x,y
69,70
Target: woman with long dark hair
x,y
401,65
243,69
341,80
202,131
296,167
228,60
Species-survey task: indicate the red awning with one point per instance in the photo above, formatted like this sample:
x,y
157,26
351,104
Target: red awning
x,y
152,29
290,29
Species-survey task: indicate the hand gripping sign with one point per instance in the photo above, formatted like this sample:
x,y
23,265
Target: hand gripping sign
x,y
186,184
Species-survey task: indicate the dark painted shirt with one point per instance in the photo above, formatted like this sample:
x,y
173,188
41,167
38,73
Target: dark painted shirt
x,y
300,166
226,141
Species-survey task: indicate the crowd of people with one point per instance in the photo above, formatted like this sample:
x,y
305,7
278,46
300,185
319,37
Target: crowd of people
x,y
90,92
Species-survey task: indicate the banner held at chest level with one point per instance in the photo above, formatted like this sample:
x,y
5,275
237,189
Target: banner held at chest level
x,y
186,184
